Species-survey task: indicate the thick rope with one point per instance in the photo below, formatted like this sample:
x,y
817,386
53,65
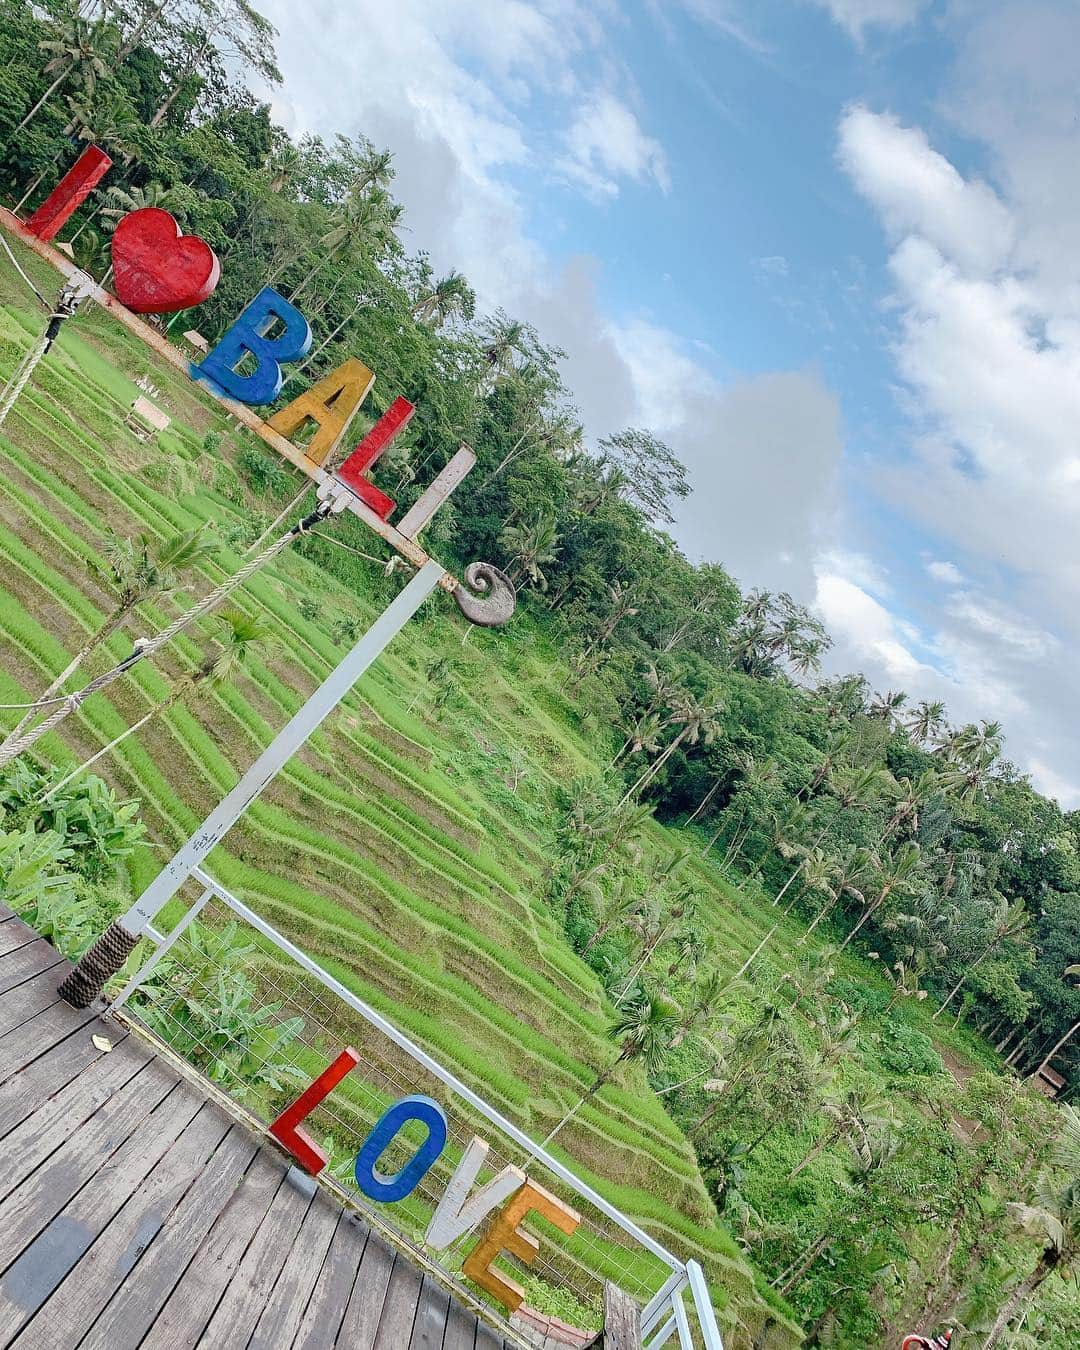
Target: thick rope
x,y
148,646
19,379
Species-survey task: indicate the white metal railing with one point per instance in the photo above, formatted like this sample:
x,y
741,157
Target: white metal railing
x,y
674,1293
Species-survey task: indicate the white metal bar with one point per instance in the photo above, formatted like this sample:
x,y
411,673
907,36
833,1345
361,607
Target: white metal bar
x,y
163,946
663,1335
682,1322
703,1306
284,745
153,934
654,1309
425,506
444,1075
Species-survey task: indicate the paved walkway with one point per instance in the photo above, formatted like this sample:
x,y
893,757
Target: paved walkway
x,y
133,1212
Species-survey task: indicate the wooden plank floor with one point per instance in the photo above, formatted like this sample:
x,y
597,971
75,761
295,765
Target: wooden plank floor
x,y
133,1212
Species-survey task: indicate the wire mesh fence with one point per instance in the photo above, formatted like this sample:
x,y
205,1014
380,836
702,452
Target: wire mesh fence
x,y
261,1023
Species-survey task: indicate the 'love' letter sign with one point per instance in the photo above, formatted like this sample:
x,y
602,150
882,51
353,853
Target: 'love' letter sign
x,y
157,269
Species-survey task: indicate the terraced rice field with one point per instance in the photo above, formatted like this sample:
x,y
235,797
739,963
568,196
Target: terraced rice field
x,y
402,848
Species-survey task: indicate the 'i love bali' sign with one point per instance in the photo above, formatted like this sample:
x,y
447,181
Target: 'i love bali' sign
x,y
159,270
463,1206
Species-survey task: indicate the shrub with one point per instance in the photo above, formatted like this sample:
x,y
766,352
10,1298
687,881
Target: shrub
x,y
264,473
908,1052
92,824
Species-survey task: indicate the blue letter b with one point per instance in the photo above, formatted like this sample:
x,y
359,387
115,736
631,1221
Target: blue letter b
x,y
247,337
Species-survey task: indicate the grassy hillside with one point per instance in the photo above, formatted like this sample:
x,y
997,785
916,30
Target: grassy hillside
x,y
405,844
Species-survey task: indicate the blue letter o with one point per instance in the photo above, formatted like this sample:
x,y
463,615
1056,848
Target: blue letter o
x,y
388,1189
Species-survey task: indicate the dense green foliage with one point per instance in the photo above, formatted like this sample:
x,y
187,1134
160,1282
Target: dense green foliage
x,y
798,906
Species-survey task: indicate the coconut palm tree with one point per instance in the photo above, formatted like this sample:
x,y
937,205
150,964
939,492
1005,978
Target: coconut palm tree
x,y
925,721
135,570
529,546
366,221
643,1030
233,648
77,50
886,707
850,1115
895,871
818,870
1011,922
852,870
450,295
699,1007
1053,1219
654,924
504,340
1062,1041
908,796
697,721
120,202
617,907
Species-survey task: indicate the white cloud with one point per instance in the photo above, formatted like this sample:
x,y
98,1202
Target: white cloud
x,y
917,191
606,144
1065,792
988,349
856,16
945,572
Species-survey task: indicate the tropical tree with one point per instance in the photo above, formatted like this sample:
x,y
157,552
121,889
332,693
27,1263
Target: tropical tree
x,y
926,721
134,570
450,295
78,50
1011,923
895,870
643,1029
697,721
530,546
1053,1219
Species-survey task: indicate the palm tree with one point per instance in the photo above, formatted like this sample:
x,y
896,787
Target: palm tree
x,y
529,546
617,908
886,707
76,50
450,295
699,722
926,721
851,871
505,339
1010,923
135,570
283,165
818,870
1063,1040
644,1031
895,870
364,221
1053,1219
654,925
849,1114
700,1005
909,796
218,666
120,202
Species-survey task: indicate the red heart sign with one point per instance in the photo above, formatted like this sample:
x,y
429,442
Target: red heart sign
x,y
157,269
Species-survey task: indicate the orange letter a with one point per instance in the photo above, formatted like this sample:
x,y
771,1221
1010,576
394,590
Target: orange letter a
x,y
331,403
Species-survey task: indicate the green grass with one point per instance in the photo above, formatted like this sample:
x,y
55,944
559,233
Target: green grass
x,y
391,849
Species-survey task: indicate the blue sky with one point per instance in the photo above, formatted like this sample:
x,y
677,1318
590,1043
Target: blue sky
x,y
829,249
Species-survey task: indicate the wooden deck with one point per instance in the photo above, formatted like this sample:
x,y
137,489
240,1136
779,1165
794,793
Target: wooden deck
x,y
133,1212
